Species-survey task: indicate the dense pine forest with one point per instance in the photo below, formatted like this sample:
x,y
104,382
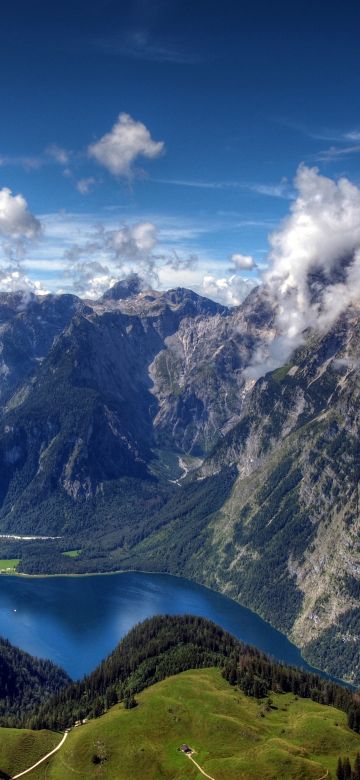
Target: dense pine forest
x,y
167,645
25,683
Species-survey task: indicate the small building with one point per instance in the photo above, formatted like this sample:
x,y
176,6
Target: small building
x,y
185,749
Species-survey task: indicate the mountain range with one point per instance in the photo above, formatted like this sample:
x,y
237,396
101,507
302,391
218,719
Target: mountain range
x,y
134,433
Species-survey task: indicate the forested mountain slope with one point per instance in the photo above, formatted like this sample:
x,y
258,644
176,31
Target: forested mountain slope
x,y
138,434
25,683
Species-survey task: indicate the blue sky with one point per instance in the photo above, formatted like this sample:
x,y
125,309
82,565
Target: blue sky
x,y
222,101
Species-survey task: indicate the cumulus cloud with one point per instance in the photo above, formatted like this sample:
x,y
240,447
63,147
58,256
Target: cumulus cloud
x,y
314,272
128,140
18,228
96,264
111,254
16,280
242,262
230,291
134,241
16,221
90,277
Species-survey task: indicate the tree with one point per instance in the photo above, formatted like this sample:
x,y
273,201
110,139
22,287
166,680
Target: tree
x,y
111,696
356,770
129,701
347,769
340,770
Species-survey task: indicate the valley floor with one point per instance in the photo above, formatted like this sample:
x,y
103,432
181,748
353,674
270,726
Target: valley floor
x,y
235,737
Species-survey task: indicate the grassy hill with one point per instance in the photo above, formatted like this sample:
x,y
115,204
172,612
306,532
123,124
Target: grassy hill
x,y
166,645
235,737
21,748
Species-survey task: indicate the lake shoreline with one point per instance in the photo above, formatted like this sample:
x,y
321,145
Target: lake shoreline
x,y
85,575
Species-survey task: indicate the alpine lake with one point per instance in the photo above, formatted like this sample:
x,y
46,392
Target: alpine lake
x,y
78,621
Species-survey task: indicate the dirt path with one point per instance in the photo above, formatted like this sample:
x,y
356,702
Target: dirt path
x,y
198,766
41,761
212,778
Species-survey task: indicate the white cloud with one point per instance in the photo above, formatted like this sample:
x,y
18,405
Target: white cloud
x,y
45,265
133,241
18,228
242,262
84,186
179,262
280,190
108,254
89,277
14,280
353,135
16,221
27,163
337,152
128,140
58,154
314,269
177,258
230,291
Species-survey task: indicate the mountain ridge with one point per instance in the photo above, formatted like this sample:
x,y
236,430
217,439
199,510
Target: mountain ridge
x,y
141,437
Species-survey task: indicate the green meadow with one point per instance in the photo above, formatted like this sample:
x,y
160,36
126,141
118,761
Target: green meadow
x,y
8,565
235,737
21,748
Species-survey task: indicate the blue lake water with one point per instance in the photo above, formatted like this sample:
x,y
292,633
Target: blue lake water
x,y
77,621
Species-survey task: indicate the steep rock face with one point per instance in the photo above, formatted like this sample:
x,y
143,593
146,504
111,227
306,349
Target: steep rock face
x,y
28,327
199,378
92,409
84,417
287,542
287,398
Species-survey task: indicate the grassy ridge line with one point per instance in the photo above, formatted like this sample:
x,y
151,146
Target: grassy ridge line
x,y
166,645
235,737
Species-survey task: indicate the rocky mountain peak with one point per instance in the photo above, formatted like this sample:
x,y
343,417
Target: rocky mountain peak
x,y
125,288
193,302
